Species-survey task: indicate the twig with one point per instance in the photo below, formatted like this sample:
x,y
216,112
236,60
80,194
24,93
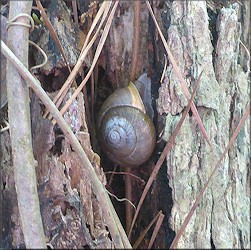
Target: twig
x,y
118,235
156,230
134,72
52,32
75,10
95,59
248,54
87,108
133,175
92,94
111,177
136,40
128,195
20,129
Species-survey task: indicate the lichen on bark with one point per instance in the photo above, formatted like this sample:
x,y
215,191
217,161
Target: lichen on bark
x,y
221,219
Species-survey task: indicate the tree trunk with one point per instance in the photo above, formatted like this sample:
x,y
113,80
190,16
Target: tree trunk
x,y
202,39
203,36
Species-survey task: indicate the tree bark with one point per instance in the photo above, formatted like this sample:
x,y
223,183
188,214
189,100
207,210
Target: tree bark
x,y
200,38
221,219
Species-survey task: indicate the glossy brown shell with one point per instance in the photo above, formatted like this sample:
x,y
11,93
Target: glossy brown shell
x,y
128,96
126,133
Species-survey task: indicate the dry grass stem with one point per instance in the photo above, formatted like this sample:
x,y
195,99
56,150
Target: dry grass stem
x,y
121,199
164,70
143,234
133,175
163,155
75,10
96,56
156,230
179,75
104,9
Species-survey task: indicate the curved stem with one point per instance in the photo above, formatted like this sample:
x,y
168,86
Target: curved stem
x,y
128,195
136,40
118,235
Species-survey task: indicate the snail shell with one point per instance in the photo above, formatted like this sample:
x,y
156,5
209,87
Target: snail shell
x,y
126,133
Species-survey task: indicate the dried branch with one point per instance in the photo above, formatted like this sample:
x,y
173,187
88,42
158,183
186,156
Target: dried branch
x,y
128,195
20,131
117,232
136,40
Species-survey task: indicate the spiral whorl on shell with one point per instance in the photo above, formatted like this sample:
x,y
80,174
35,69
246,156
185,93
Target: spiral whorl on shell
x,y
126,133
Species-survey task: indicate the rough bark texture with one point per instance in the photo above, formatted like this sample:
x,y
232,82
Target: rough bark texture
x,y
221,220
70,210
70,206
119,46
67,31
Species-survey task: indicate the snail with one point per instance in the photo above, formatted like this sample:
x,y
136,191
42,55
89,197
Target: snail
x,y
126,133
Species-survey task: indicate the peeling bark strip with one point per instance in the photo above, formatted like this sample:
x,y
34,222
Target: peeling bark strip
x,y
221,219
20,131
120,48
